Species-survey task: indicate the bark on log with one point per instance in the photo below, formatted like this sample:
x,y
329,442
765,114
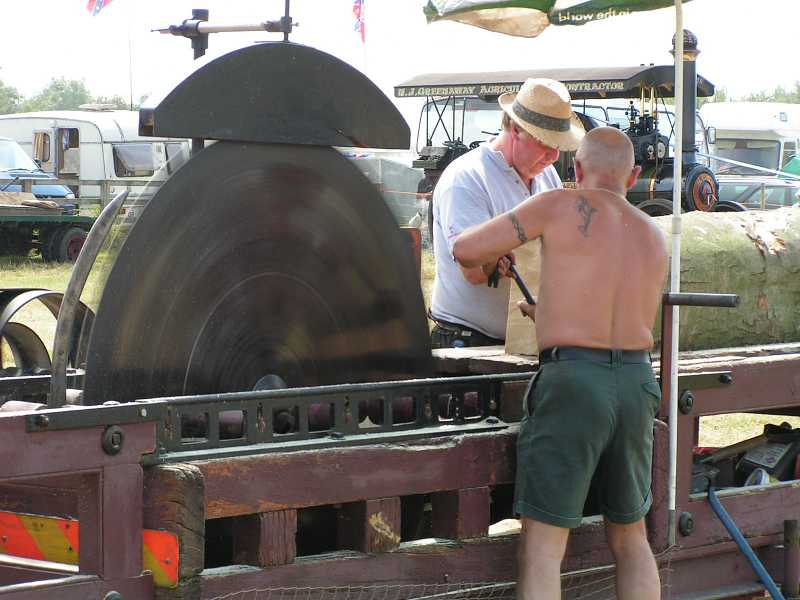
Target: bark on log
x,y
754,254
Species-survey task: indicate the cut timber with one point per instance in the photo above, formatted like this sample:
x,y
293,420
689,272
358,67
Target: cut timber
x,y
173,501
520,330
754,254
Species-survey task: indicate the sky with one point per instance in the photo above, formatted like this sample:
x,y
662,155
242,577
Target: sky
x,y
745,46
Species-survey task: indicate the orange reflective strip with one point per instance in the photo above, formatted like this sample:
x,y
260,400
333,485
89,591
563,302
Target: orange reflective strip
x,y
48,533
15,539
160,550
70,530
56,539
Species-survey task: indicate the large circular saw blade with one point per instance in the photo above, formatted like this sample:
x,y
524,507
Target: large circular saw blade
x,y
255,261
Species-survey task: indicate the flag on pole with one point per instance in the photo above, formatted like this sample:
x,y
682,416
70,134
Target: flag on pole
x,y
95,6
358,13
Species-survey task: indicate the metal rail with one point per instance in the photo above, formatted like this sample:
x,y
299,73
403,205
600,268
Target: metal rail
x,y
246,423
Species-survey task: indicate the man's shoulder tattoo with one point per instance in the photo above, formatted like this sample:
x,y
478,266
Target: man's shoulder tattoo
x,y
518,227
586,211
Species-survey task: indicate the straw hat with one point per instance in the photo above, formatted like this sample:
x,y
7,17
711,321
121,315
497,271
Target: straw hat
x,y
542,108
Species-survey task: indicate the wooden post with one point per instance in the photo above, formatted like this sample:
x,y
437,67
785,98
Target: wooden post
x,y
265,539
791,559
461,514
174,501
370,526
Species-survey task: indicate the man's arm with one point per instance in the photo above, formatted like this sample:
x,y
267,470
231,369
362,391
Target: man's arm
x,y
505,232
461,207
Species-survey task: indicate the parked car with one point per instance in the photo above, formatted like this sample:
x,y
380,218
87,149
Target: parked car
x,y
752,192
17,167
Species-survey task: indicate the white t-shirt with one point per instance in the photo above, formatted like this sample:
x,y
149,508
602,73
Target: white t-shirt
x,y
475,188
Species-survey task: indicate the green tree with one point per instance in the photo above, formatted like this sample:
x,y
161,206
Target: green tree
x,y
9,99
779,94
59,94
720,95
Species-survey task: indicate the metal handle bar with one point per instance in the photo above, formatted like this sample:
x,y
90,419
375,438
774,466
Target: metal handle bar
x,y
689,299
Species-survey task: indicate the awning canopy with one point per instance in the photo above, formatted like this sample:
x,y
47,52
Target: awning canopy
x,y
595,82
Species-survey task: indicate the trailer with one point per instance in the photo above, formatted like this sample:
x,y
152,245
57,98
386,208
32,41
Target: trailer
x,y
58,232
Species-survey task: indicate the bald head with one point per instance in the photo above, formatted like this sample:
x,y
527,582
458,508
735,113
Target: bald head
x,y
606,153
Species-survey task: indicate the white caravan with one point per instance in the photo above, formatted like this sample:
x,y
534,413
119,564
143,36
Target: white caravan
x,y
95,145
764,134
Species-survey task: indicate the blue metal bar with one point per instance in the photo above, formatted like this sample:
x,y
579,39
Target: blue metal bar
x,y
737,536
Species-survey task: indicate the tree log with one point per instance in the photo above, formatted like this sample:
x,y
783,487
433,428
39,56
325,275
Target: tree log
x,y
755,254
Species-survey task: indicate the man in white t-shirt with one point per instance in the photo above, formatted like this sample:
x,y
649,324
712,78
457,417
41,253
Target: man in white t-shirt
x,y
488,181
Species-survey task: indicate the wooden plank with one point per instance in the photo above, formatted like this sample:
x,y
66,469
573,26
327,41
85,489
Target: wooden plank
x,y
67,450
493,359
90,538
81,588
482,560
757,512
173,501
254,484
38,499
121,521
370,526
266,539
461,514
656,519
758,383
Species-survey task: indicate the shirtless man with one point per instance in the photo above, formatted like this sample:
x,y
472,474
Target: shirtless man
x,y
590,408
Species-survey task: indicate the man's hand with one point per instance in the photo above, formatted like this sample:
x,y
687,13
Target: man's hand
x,y
527,310
501,268
504,263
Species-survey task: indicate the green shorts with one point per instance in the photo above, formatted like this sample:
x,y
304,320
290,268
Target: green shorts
x,y
591,429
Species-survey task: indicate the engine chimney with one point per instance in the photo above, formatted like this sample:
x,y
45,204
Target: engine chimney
x,y
690,53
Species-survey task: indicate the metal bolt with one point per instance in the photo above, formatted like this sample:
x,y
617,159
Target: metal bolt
x,y
686,402
112,440
143,412
726,378
41,420
113,596
492,405
492,420
686,523
337,435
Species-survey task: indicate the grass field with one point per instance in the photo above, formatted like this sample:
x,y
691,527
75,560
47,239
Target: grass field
x,y
33,272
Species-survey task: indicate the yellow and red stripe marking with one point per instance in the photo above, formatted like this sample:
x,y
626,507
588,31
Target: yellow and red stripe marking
x,y
56,540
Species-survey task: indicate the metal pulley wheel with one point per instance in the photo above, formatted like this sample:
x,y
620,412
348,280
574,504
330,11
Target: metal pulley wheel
x,y
28,351
258,261
701,190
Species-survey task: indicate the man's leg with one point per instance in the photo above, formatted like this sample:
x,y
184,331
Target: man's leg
x,y
541,550
637,573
